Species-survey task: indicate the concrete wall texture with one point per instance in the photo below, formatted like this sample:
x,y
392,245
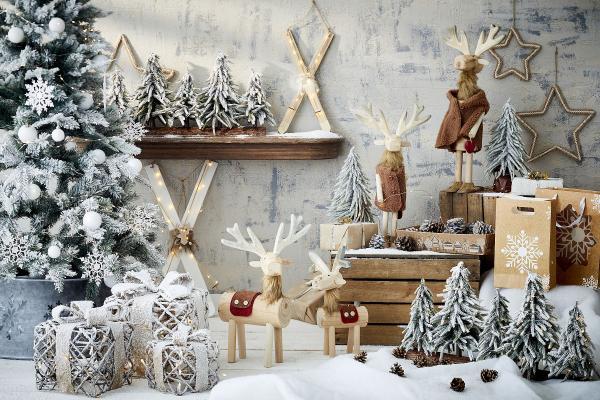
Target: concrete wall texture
x,y
387,52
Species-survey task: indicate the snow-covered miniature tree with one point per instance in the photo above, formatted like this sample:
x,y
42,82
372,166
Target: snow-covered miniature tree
x,y
117,93
67,174
494,328
185,103
256,108
505,152
220,103
351,198
152,96
456,327
417,334
574,358
533,335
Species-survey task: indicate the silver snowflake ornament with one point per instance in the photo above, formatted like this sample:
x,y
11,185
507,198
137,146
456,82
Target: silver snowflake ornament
x,y
141,219
522,252
134,131
39,95
97,265
14,249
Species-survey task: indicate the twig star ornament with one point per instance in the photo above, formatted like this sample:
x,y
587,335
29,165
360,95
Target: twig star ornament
x,y
123,42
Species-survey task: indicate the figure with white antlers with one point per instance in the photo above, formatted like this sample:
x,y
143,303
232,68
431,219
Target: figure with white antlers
x,y
390,175
269,308
462,128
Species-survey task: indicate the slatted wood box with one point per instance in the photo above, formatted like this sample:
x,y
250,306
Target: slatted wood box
x,y
478,206
385,281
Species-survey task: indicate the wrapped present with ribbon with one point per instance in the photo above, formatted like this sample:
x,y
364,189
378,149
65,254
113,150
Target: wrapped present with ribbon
x,y
83,349
187,362
155,308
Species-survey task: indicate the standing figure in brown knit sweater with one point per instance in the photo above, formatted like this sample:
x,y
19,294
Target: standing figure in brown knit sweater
x,y
390,177
462,128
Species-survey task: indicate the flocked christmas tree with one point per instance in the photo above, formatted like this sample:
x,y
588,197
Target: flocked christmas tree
x,y
505,152
152,96
533,335
574,358
458,324
351,199
256,108
67,186
220,107
185,103
117,92
417,335
494,328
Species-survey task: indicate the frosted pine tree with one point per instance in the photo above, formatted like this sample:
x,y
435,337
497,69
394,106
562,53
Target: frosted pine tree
x,y
505,152
220,103
574,358
532,336
66,174
417,334
256,108
456,327
351,196
494,328
117,92
185,102
152,96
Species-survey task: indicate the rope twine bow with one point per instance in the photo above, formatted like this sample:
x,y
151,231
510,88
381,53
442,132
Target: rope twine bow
x,y
175,285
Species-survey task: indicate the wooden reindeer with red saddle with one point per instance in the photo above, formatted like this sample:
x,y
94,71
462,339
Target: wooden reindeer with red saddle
x,y
269,308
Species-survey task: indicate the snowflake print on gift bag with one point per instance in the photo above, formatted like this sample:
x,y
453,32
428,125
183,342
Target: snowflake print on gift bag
x,y
574,238
530,246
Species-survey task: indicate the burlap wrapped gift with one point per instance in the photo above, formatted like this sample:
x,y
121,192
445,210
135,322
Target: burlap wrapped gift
x,y
305,301
353,235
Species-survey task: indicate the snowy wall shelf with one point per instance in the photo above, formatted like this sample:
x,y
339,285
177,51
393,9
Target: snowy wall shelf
x,y
170,144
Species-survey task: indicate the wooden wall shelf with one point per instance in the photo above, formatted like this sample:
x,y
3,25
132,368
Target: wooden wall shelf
x,y
314,145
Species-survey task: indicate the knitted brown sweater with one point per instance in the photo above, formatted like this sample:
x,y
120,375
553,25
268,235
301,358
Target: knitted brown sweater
x,y
460,118
393,183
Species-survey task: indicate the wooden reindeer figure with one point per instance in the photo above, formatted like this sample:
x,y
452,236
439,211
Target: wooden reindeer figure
x,y
269,308
462,129
333,315
390,178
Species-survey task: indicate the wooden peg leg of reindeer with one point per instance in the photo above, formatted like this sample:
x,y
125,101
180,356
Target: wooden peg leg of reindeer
x,y
241,336
231,341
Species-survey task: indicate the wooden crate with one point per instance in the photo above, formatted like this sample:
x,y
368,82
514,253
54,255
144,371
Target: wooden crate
x,y
478,206
385,280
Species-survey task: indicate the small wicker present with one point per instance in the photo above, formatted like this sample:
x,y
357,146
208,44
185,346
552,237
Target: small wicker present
x,y
188,362
83,350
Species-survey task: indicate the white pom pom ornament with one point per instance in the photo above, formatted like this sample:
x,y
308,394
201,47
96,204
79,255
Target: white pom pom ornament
x,y
33,191
54,251
56,25
16,34
86,101
58,135
92,220
27,134
134,165
98,156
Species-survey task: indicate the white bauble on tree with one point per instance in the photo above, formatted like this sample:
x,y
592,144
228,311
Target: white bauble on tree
x,y
33,191
86,101
98,156
92,220
100,61
56,25
27,134
54,251
70,146
58,135
16,34
134,165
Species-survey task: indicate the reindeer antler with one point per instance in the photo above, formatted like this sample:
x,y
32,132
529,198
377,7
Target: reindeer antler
x,y
240,243
458,40
415,120
328,279
292,235
368,118
340,261
484,44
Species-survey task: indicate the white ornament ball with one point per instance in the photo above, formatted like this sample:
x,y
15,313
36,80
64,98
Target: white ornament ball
x,y
58,135
54,251
134,165
56,25
70,146
34,192
92,220
27,134
86,101
98,156
99,61
16,34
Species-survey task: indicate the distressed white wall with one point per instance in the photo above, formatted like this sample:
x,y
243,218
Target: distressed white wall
x,y
388,52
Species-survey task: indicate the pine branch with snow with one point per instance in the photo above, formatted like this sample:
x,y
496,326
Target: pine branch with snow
x,y
417,335
494,328
152,96
256,108
185,103
351,195
117,92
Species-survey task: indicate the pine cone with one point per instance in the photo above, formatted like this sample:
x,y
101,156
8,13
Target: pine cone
x,y
377,242
361,357
432,226
399,352
481,228
406,243
422,361
397,369
445,362
455,225
457,384
488,375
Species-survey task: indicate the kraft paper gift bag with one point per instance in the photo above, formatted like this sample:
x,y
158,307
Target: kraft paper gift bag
x,y
525,241
577,235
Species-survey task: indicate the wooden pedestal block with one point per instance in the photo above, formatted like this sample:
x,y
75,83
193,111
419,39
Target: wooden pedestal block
x,y
384,282
478,206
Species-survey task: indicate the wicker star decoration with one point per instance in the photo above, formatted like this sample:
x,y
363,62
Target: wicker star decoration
x,y
555,91
123,42
524,74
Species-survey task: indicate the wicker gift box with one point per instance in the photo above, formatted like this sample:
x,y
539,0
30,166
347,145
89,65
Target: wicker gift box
x,y
156,309
453,243
83,350
187,362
